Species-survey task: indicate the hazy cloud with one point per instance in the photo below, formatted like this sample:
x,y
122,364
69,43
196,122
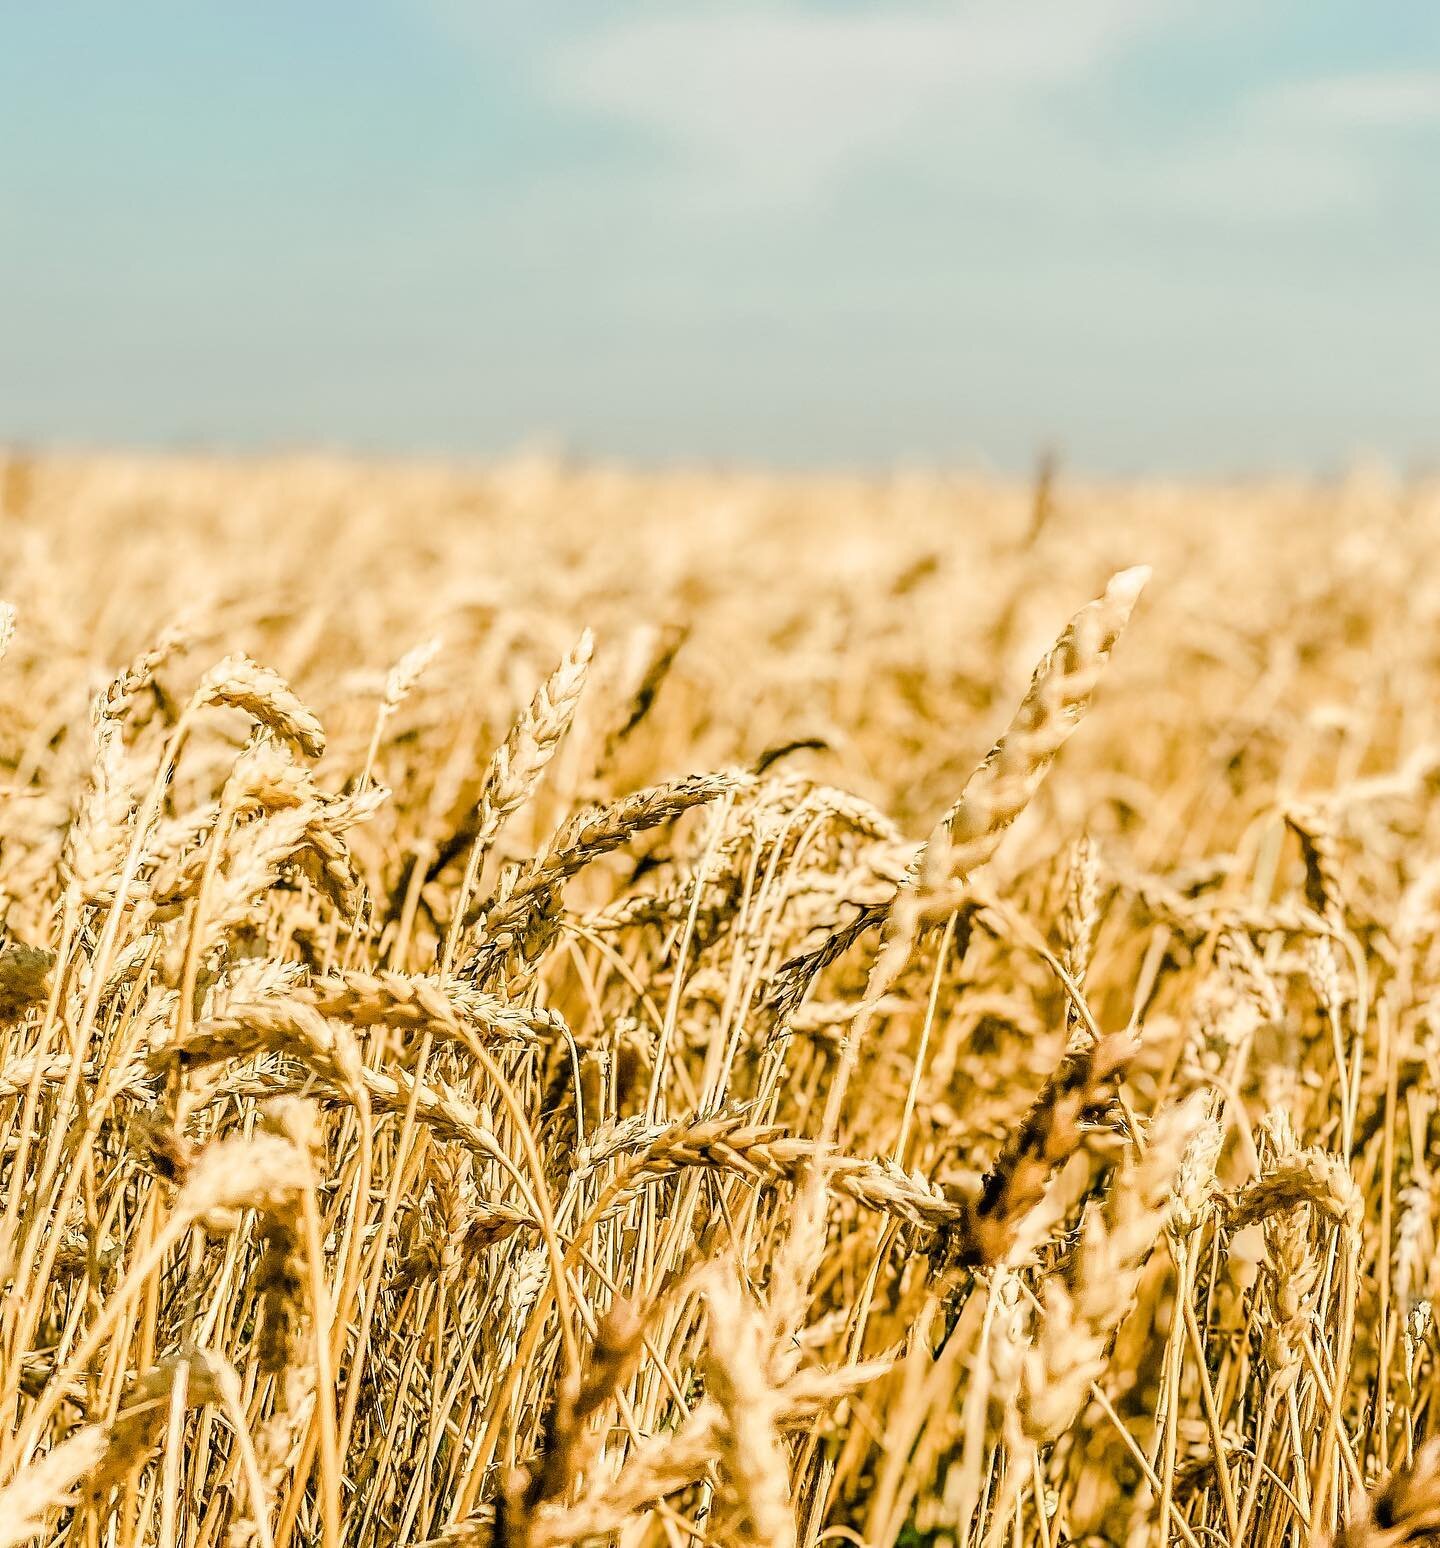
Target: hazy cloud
x,y
782,101
776,107
1377,99
1301,149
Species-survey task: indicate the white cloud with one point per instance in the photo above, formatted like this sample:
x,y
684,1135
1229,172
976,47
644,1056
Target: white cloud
x,y
1378,99
1241,176
769,108
1302,149
779,102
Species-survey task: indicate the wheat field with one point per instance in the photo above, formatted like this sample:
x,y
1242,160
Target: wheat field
x,y
545,1004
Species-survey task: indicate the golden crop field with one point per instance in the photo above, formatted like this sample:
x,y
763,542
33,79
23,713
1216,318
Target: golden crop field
x,y
547,1005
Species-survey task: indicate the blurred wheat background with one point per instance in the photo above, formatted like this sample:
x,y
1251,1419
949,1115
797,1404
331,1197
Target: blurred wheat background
x,y
545,1004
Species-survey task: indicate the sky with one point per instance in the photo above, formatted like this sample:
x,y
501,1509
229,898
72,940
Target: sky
x,y
1181,236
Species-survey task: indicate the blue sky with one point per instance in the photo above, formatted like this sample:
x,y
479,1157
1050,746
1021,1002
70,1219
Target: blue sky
x,y
1182,235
